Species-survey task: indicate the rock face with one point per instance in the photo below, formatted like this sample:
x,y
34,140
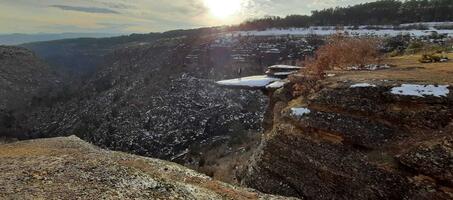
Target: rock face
x,y
69,168
343,142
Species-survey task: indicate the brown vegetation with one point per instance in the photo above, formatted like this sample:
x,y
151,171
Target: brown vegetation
x,y
432,58
341,52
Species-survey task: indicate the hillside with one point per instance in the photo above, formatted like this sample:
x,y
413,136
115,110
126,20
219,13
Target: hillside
x,y
81,56
17,38
23,76
383,12
24,80
155,100
69,168
159,98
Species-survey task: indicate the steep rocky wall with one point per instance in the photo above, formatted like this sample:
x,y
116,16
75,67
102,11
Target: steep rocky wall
x,y
344,142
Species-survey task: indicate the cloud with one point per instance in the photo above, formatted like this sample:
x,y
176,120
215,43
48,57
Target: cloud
x,y
118,5
127,16
86,9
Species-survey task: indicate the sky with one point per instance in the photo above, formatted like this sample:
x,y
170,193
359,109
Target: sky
x,y
143,16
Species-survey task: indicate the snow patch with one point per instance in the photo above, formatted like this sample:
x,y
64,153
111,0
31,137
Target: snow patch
x,y
429,24
370,67
284,67
299,112
332,30
421,90
276,85
331,75
251,81
284,73
362,85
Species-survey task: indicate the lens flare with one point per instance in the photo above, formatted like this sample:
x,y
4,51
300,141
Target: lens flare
x,y
223,9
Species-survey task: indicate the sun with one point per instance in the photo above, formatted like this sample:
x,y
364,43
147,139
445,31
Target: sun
x,y
223,9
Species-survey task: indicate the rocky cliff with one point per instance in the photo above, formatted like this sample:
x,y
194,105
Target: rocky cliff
x,y
69,168
346,139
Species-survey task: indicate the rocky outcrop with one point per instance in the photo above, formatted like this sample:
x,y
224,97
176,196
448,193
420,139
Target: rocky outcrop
x,y
357,141
69,168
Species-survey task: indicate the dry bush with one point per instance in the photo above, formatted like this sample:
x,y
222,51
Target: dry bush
x,y
433,58
340,52
449,44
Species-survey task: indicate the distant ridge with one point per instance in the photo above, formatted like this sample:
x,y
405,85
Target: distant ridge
x,y
19,38
382,12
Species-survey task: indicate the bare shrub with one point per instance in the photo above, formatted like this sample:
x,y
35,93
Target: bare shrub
x,y
340,52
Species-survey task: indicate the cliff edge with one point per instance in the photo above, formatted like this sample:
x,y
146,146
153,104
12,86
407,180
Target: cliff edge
x,y
69,168
356,136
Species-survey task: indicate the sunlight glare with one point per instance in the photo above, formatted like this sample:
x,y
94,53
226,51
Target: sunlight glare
x,y
223,9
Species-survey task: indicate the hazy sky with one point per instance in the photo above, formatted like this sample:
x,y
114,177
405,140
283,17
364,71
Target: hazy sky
x,y
128,16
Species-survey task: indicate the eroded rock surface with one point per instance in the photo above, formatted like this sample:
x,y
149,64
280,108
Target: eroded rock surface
x,y
433,158
344,142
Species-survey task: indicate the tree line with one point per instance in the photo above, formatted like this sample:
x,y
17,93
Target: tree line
x,y
383,12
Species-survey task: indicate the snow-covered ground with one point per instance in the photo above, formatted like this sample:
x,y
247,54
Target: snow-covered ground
x,y
332,30
421,90
299,112
428,24
276,84
284,73
362,85
284,67
250,82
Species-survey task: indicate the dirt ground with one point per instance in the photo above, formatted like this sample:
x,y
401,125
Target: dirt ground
x,y
404,68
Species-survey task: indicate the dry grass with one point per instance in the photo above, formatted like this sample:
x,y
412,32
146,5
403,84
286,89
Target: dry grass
x,y
407,69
